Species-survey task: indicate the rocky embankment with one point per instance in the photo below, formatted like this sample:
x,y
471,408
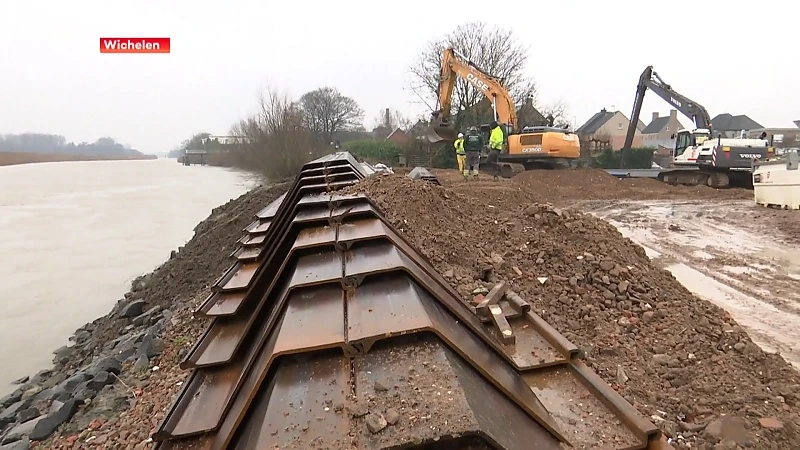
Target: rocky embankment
x,y
106,384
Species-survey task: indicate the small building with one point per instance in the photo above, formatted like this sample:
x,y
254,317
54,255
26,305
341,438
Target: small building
x,y
661,130
398,136
607,129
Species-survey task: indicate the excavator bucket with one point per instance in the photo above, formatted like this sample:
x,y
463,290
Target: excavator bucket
x,y
440,132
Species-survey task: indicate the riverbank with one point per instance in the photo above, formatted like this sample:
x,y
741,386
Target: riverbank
x,y
104,375
15,158
681,361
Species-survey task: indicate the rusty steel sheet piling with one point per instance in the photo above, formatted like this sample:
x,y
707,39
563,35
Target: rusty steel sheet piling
x,y
331,331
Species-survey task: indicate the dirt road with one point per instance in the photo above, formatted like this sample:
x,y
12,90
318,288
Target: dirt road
x,y
721,251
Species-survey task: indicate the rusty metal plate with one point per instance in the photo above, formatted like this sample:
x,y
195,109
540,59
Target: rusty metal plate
x,y
221,304
270,210
245,255
296,410
253,240
595,419
207,395
451,399
240,277
385,306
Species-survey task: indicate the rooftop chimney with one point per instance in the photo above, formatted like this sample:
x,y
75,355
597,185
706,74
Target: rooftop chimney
x,y
655,115
388,119
673,113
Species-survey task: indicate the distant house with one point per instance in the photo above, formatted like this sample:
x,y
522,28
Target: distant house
x,y
797,122
731,126
398,136
607,129
660,131
529,116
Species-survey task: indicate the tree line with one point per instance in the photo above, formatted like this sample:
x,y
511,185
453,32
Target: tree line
x,y
58,145
285,133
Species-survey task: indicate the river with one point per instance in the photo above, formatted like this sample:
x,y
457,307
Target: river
x,y
74,234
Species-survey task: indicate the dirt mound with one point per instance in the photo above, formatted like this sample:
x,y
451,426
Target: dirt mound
x,y
596,184
680,360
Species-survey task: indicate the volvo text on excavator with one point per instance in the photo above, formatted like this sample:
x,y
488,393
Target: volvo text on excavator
x,y
539,146
698,157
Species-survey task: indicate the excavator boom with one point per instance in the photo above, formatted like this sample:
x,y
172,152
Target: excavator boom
x,y
688,107
454,66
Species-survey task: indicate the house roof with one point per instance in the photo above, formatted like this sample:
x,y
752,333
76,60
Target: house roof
x,y
600,119
396,130
656,125
595,122
797,122
728,122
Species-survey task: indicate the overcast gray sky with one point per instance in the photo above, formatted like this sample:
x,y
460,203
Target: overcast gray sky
x,y
737,58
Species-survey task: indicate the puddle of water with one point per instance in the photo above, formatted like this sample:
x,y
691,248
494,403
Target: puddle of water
x,y
772,329
739,270
702,255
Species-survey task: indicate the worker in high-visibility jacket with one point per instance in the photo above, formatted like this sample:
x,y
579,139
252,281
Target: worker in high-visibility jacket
x,y
461,154
495,147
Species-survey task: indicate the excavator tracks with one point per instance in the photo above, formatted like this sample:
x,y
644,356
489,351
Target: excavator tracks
x,y
331,331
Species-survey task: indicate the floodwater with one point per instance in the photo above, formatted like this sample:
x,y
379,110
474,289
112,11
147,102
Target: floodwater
x,y
73,235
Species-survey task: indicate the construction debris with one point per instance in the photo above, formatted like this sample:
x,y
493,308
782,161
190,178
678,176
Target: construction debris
x,y
421,173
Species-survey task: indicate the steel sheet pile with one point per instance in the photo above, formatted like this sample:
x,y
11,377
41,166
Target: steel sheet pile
x,y
330,332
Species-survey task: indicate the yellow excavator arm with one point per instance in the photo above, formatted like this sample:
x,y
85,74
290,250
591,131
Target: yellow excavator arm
x,y
454,66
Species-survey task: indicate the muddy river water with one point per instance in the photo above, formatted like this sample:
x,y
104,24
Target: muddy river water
x,y
73,235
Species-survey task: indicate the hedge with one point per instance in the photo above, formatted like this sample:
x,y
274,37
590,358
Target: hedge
x,y
382,151
635,158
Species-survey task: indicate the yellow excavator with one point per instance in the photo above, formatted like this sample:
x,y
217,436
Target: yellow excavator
x,y
532,147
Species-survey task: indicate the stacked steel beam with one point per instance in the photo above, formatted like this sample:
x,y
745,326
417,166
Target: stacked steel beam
x,y
331,331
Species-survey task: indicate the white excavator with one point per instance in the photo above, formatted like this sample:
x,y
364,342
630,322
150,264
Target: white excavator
x,y
698,158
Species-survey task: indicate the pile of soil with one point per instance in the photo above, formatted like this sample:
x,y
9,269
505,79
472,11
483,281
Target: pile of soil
x,y
686,364
596,184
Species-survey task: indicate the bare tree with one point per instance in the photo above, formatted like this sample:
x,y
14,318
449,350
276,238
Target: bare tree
x,y
276,141
495,51
394,119
328,111
559,112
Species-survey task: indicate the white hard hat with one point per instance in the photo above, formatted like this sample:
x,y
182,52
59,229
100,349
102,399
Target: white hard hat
x,y
460,135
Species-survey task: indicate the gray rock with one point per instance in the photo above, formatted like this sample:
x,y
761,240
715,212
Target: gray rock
x,y
82,336
21,380
54,380
151,346
100,380
23,429
46,426
9,415
11,398
28,414
63,352
71,383
142,363
132,309
146,317
23,444
375,422
104,364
